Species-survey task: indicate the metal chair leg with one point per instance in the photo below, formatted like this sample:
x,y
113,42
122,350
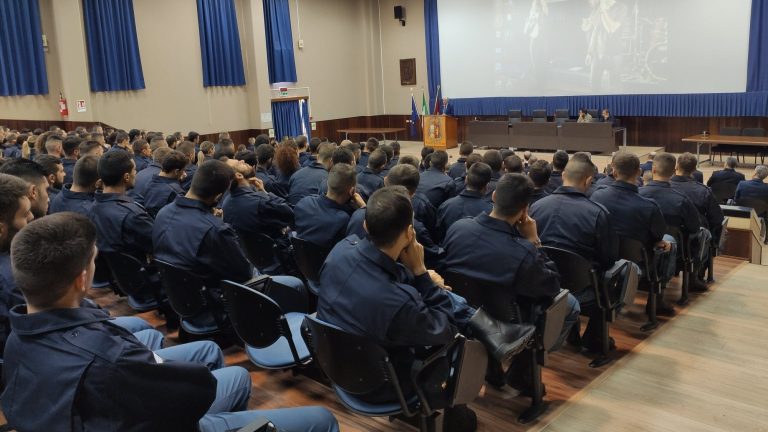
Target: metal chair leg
x,y
538,406
653,321
687,272
603,357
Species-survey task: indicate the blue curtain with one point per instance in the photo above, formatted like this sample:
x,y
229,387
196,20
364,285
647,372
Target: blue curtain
x,y
286,119
220,43
22,63
757,69
433,49
113,50
277,26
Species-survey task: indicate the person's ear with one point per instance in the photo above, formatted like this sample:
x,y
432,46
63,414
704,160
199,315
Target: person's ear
x,y
352,191
33,192
493,196
126,177
365,226
218,197
51,179
386,181
410,234
239,176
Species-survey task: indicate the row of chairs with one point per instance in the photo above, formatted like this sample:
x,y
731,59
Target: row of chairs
x,y
741,150
540,115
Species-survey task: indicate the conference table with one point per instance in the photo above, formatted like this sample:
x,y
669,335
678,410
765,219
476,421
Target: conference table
x,y
747,141
371,131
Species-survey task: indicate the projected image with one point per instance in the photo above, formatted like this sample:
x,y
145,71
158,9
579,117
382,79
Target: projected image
x,y
578,47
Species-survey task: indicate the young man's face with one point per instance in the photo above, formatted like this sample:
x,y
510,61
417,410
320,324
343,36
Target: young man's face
x,y
59,176
132,175
146,151
39,198
20,219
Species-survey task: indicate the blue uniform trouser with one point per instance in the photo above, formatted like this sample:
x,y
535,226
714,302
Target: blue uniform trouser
x,y
294,299
670,269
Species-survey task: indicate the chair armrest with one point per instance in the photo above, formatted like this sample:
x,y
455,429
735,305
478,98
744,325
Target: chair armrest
x,y
259,425
419,365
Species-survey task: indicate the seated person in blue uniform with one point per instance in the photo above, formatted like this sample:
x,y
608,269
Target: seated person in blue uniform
x,y
493,159
473,246
677,209
607,117
754,188
370,145
264,156
354,148
71,148
395,159
90,148
122,142
434,183
458,169
559,161
647,165
166,185
142,155
370,179
539,173
387,149
513,164
459,183
308,157
54,173
34,174
188,235
144,177
15,214
301,144
567,219
322,219
469,203
728,174
311,179
69,365
78,196
188,149
367,292
636,217
251,210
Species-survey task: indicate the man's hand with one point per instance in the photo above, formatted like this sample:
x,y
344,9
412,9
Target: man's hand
x,y
527,228
257,183
664,245
358,201
438,280
218,212
412,257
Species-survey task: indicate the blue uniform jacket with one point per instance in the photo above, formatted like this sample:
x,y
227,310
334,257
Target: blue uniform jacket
x,y
632,215
469,203
701,197
458,168
309,180
69,169
141,162
251,211
144,177
726,176
73,370
753,188
369,182
78,202
555,181
320,220
160,192
567,219
271,184
436,186
122,225
677,209
10,296
190,171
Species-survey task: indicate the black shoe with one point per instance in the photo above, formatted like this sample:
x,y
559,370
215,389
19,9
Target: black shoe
x,y
697,285
665,309
495,377
459,419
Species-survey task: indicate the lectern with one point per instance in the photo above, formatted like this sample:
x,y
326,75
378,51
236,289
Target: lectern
x,y
440,132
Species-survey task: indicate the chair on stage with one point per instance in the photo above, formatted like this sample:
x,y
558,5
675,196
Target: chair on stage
x,y
540,115
515,116
726,148
723,192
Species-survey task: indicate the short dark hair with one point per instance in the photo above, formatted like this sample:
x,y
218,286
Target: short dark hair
x,y
378,159
354,148
264,152
192,136
505,153
87,145
395,148
248,157
121,136
387,151
493,159
405,175
86,171
539,172
113,166
211,179
314,143
687,163
343,155
409,160
160,153
664,164
388,214
466,148
478,176
439,160
578,170
473,159
186,147
513,164
341,178
625,164
513,191
325,151
560,160
372,144
156,143
50,163
12,189
27,170
49,253
175,160
70,144
139,144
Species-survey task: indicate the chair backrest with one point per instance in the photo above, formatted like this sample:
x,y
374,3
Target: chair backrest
x,y
256,318
129,274
353,363
496,299
594,113
562,113
186,291
103,272
760,206
576,272
553,319
683,240
309,257
757,132
730,131
515,115
259,248
540,114
723,191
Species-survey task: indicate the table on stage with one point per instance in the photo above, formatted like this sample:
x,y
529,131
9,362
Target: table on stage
x,y
371,131
747,141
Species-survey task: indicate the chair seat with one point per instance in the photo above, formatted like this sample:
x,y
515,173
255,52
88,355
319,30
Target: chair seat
x,y
142,305
278,355
200,325
371,409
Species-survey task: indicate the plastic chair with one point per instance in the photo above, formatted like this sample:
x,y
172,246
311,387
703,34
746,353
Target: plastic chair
x,y
684,254
540,115
309,259
760,206
515,116
132,279
723,191
272,338
258,248
634,250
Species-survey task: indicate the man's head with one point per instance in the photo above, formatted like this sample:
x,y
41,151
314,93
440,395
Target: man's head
x,y
395,148
63,241
264,154
117,169
35,176
86,173
404,174
301,141
160,153
559,160
510,199
54,146
439,160
71,146
539,173
371,145
578,174
188,148
378,160
466,148
193,136
15,209
141,147
211,180
663,166
409,160
473,159
686,164
761,172
325,154
54,170
478,177
122,139
389,219
626,166
156,143
344,156
354,148
731,163
493,159
314,143
91,148
387,149
513,164
174,163
342,181
527,155
172,141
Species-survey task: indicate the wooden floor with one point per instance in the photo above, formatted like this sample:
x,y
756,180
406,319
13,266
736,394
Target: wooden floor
x,y
706,371
566,375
